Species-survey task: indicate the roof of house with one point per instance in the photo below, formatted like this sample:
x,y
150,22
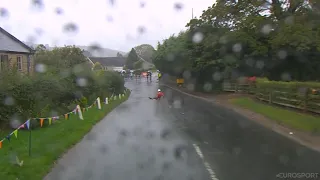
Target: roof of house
x,y
109,61
11,43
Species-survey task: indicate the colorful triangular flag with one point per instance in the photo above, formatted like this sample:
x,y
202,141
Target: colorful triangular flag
x,y
41,122
28,124
15,132
8,137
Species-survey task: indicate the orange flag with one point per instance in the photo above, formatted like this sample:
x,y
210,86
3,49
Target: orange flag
x,y
0,144
41,122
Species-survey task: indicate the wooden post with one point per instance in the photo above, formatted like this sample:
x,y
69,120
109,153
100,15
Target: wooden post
x,y
305,103
236,87
270,96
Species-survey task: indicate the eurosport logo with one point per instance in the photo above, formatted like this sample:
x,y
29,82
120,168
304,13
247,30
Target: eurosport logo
x,y
293,175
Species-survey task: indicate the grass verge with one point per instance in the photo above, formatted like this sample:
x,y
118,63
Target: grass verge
x,y
48,144
292,119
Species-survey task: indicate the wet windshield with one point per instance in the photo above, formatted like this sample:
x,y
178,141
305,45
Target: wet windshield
x,y
155,90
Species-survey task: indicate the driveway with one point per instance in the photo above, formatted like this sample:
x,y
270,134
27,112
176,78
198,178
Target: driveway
x,y
180,138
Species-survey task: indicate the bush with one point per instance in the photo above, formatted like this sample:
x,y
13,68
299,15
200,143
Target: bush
x,y
66,80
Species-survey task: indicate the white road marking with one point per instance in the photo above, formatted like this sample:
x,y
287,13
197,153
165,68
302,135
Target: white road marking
x,y
206,164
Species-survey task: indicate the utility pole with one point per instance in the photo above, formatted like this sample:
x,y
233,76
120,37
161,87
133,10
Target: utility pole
x,y
192,13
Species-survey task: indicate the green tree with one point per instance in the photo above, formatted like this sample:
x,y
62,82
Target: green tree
x,y
131,59
245,38
145,51
138,64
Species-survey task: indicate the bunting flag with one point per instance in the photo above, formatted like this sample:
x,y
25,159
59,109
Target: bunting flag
x,y
41,122
77,110
28,124
15,132
8,137
98,103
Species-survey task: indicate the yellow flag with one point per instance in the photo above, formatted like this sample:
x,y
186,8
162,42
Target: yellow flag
x,y
66,116
15,132
41,122
50,121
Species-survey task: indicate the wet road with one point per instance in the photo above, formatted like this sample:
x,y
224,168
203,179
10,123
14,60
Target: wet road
x,y
237,148
180,137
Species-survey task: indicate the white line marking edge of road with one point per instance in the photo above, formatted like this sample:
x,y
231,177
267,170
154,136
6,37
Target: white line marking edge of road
x,y
206,164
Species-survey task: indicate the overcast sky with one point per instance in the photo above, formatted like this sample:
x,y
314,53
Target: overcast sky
x,y
98,21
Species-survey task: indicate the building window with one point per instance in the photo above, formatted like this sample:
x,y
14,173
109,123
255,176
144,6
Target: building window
x,y
19,63
4,61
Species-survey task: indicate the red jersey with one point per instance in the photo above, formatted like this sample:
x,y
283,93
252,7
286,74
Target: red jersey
x,y
159,95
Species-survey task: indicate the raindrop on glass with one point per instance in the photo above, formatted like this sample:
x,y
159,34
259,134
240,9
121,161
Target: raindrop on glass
x,y
39,31
109,18
70,28
38,4
58,11
216,76
178,6
142,4
170,57
4,13
289,20
266,29
112,2
197,37
95,47
9,101
207,87
282,54
190,87
180,152
82,82
285,76
15,122
260,64
237,48
41,68
141,29
186,74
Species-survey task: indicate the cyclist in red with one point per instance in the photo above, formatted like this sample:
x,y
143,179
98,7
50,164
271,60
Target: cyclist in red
x,y
159,95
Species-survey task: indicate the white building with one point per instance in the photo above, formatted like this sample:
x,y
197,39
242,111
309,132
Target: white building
x,y
109,63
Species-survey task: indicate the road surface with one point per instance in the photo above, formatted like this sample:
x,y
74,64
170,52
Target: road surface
x,y
180,138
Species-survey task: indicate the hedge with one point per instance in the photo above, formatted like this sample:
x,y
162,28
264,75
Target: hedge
x,y
63,79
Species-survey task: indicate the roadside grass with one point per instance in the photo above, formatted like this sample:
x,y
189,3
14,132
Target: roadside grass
x,y
292,119
48,144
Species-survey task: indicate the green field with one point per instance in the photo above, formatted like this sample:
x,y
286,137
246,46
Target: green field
x,y
48,144
290,118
